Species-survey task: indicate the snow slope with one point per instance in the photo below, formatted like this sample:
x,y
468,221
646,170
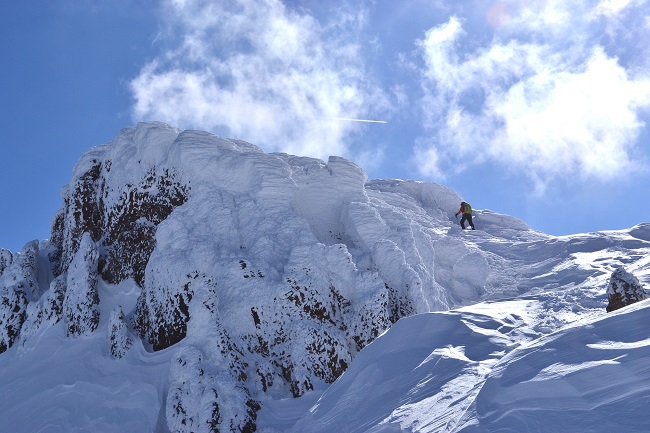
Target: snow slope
x,y
194,283
473,371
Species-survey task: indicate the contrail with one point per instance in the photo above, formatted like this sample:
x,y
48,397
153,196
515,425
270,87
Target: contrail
x,y
354,120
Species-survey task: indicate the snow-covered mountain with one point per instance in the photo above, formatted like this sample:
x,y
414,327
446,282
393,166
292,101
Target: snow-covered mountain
x,y
194,284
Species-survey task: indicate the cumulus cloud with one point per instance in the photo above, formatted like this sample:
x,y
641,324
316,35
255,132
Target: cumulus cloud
x,y
260,71
543,95
611,8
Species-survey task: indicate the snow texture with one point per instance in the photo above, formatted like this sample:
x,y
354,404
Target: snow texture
x,y
195,283
473,371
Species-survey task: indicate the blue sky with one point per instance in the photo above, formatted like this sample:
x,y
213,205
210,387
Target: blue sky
x,y
533,109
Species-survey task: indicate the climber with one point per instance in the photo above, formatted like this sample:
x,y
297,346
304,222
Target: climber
x,y
466,210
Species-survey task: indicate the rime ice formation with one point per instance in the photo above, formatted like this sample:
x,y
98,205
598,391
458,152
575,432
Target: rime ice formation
x,y
18,286
118,334
213,286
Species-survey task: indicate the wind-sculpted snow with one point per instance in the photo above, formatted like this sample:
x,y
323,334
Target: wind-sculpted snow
x,y
592,377
423,373
547,361
254,281
479,370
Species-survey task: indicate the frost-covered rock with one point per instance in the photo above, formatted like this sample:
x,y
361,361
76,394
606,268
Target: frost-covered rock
x,y
13,304
47,311
119,193
80,305
308,262
21,271
624,289
18,286
205,399
208,391
119,336
6,258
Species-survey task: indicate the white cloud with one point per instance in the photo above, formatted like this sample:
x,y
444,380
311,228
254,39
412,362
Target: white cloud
x,y
542,96
260,71
582,123
428,159
612,8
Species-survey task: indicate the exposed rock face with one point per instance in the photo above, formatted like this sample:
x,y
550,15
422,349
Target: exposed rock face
x,y
266,271
121,217
624,289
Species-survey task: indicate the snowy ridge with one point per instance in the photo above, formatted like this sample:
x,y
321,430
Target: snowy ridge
x,y
231,288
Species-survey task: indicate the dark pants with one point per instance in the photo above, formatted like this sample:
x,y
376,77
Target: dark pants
x,y
466,217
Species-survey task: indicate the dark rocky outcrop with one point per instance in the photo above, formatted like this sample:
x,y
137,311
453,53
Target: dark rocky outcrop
x,y
624,289
130,225
124,228
162,311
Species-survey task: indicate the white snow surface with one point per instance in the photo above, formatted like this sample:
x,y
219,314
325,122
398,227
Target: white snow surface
x,y
509,331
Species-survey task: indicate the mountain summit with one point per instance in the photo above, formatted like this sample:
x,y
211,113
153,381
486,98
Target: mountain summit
x,y
194,283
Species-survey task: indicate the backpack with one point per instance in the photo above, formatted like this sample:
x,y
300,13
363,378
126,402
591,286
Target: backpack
x,y
467,208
